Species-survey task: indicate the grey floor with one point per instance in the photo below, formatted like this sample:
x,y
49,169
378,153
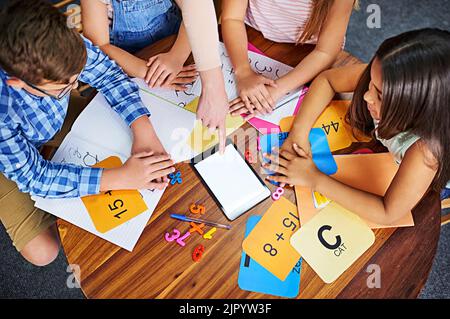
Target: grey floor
x,y
21,280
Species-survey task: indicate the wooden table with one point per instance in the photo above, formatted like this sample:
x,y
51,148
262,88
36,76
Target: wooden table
x,y
157,269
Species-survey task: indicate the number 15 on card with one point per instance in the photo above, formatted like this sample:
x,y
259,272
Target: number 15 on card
x,y
111,209
268,243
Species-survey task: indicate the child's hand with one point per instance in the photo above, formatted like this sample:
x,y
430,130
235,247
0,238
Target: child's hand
x,y
145,139
162,69
253,91
187,75
301,140
238,107
145,170
213,104
294,168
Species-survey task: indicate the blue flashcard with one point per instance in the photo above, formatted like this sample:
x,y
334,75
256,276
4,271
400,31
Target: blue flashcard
x,y
320,149
254,277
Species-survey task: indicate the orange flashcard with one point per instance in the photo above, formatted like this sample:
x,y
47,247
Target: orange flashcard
x,y
268,243
113,208
332,121
369,172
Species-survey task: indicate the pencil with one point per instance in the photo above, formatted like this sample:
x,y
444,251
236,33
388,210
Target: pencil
x,y
196,220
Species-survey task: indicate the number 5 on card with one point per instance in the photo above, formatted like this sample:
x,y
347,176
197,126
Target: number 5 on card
x,y
268,243
111,209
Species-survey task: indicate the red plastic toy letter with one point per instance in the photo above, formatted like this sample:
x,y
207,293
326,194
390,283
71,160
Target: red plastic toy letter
x,y
198,252
249,157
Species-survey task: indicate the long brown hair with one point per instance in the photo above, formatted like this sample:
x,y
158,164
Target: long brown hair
x,y
317,18
415,94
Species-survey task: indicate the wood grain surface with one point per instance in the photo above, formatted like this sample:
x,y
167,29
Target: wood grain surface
x,y
157,269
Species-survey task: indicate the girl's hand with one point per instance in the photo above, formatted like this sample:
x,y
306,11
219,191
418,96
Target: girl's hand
x,y
302,141
187,75
162,69
253,91
238,106
294,168
145,170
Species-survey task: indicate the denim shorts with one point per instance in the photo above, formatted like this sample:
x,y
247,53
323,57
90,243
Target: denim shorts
x,y
139,23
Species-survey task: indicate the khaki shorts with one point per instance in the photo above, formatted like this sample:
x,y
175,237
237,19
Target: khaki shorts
x,y
22,220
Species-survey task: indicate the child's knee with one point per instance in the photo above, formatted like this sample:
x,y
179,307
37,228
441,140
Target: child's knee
x,y
43,249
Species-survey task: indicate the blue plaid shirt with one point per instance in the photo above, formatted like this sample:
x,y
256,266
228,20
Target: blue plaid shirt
x,y
28,121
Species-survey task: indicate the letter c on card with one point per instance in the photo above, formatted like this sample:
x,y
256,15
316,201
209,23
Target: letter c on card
x,y
324,242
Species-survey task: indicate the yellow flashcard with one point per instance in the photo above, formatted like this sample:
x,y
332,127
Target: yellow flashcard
x,y
201,139
320,200
332,241
192,106
332,121
113,208
268,243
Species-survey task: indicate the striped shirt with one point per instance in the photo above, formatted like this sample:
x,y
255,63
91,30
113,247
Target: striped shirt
x,y
280,20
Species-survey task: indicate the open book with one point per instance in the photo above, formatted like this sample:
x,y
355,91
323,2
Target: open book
x,y
76,150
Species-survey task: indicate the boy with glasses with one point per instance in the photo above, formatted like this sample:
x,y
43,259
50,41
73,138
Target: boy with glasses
x,y
41,61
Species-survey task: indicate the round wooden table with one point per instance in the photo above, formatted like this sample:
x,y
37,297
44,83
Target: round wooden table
x,y
157,269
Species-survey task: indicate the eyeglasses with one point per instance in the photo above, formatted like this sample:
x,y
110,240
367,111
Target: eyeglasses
x,y
66,90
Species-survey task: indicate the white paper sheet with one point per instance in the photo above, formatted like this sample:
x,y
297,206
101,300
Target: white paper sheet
x,y
278,114
101,125
77,151
261,64
178,98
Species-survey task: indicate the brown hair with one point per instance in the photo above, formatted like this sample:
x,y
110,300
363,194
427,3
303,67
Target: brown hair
x,y
415,94
318,16
37,45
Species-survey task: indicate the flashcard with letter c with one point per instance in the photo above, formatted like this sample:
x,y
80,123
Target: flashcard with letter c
x,y
332,241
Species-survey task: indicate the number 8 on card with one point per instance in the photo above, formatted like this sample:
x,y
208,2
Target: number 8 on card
x,y
269,242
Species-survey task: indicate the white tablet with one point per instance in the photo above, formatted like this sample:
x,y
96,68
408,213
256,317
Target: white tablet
x,y
231,181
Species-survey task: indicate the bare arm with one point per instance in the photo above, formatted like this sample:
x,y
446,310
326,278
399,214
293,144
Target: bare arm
x,y
201,26
234,33
199,18
251,86
409,185
181,48
329,45
96,28
320,94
